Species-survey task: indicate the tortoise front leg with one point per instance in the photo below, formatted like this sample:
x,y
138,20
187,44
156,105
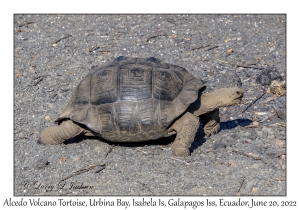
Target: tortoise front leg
x,y
58,134
186,128
211,122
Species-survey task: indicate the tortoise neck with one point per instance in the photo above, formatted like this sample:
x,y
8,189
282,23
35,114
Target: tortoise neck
x,y
207,103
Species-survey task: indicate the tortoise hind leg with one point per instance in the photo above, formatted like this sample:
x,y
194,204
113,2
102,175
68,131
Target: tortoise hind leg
x,y
211,122
186,128
58,134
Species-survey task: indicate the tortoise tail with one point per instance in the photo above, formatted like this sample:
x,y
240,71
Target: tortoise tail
x,y
59,134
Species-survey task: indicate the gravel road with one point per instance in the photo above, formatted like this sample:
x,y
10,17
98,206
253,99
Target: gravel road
x,y
52,53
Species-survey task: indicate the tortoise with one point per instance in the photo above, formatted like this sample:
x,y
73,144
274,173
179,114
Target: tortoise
x,y
141,99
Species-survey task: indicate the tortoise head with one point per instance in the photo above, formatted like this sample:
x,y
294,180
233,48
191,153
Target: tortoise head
x,y
218,98
231,96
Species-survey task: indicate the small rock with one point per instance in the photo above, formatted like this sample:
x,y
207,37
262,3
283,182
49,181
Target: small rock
x,y
279,143
249,185
250,60
233,164
256,165
40,163
247,141
234,136
246,134
267,76
199,190
256,124
255,189
268,132
253,125
219,146
280,111
220,162
98,192
229,143
278,88
217,137
75,158
98,149
252,136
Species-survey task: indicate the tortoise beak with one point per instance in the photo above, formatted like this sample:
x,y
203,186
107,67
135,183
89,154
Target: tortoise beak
x,y
238,95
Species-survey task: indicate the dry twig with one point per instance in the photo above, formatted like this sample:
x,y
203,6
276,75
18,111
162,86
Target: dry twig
x,y
109,151
253,67
280,179
211,48
67,36
281,124
281,165
155,169
254,157
145,186
179,160
25,24
200,47
100,47
141,151
156,35
82,170
172,21
249,105
241,185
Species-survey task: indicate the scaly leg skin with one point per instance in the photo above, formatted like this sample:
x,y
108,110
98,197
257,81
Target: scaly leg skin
x,y
186,128
211,122
59,134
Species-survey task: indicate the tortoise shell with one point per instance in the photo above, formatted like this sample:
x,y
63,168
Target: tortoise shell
x,y
132,99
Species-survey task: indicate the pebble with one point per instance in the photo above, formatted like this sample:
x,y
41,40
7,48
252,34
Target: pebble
x,y
219,146
98,192
233,164
267,76
259,132
98,149
229,142
40,163
75,157
199,190
256,124
250,60
255,189
280,111
256,165
249,185
234,136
